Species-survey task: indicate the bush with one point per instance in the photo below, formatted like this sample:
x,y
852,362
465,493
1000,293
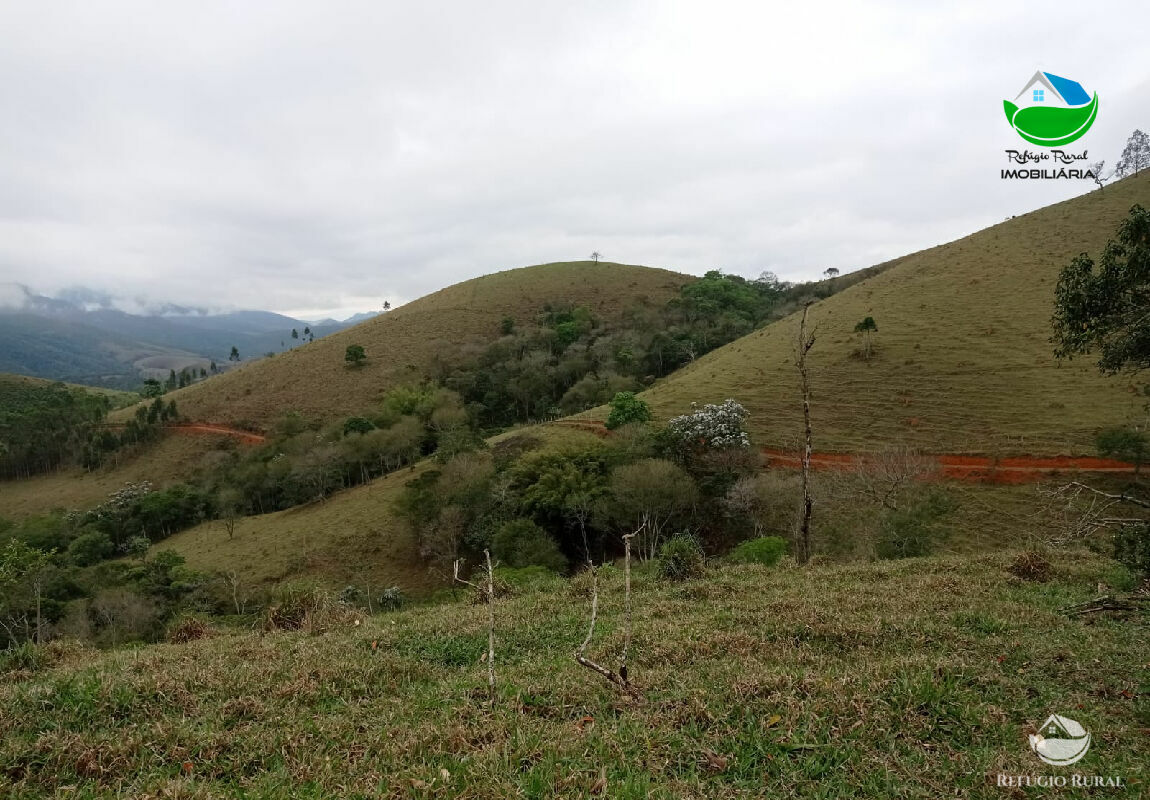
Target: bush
x,y
681,558
766,550
90,548
357,425
1132,548
392,599
522,543
912,530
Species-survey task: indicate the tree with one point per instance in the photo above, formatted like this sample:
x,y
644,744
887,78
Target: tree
x,y
294,333
22,573
387,305
866,328
1098,171
627,408
355,355
650,494
831,272
803,346
235,354
595,256
1108,309
307,332
1135,156
1127,444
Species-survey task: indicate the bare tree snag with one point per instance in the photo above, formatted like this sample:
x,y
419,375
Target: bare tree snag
x,y
803,346
489,594
619,678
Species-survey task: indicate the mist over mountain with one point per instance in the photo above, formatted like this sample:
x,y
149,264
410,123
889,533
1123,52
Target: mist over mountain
x,y
88,336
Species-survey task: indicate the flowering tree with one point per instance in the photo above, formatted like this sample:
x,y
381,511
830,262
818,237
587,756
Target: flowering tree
x,y
712,427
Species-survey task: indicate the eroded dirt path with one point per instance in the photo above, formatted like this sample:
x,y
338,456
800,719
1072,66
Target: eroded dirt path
x,y
979,469
247,437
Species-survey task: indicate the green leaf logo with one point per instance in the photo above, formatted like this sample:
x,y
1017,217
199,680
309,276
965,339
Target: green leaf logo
x,y
1051,111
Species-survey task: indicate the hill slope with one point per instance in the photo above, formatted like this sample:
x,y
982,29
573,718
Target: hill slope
x,y
403,345
962,359
917,678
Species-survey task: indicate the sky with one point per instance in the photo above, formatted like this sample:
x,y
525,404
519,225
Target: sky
x,y
317,158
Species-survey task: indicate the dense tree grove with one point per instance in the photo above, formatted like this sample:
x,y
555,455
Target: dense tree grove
x,y
567,360
44,426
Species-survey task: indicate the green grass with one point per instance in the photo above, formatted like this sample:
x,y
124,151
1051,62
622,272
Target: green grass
x,y
962,362
919,678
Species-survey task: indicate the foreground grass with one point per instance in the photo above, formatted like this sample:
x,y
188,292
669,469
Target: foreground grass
x,y
913,679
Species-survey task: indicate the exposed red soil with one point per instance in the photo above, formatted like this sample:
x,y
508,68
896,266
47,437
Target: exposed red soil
x,y
979,469
247,437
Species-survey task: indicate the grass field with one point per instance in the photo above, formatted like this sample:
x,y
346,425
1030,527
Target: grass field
x,y
403,345
915,679
962,362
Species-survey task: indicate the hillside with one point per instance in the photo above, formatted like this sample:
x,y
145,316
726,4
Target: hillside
x,y
962,359
404,344
917,678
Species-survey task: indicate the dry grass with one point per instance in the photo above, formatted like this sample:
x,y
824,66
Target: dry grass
x,y
962,361
403,345
916,679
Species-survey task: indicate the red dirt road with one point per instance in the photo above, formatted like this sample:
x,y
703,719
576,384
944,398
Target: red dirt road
x,y
247,437
978,469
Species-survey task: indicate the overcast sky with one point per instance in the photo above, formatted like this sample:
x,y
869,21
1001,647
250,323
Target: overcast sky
x,y
316,158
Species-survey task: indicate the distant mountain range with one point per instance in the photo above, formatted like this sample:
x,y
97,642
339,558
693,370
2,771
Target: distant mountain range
x,y
84,336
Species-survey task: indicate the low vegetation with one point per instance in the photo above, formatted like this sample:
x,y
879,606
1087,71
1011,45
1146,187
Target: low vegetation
x,y
913,678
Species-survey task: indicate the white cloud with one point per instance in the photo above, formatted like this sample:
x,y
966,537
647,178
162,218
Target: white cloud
x,y
302,156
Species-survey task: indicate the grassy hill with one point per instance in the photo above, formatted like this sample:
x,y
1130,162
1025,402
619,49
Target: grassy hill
x,y
962,359
403,345
918,678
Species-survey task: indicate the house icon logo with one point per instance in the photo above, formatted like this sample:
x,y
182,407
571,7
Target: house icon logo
x,y
1060,741
1051,111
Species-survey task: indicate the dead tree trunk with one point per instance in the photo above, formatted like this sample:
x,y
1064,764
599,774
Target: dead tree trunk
x,y
805,342
619,678
489,594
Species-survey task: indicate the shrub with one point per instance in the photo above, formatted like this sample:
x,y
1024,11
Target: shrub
x,y
357,425
681,558
627,408
392,599
355,355
766,550
1132,548
90,548
522,543
305,606
912,530
1031,566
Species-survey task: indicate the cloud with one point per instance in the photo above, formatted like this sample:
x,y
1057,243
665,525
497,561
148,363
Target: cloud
x,y
305,157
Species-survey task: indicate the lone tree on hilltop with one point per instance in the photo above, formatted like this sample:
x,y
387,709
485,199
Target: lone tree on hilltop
x,y
867,327
355,355
595,256
1135,156
831,272
235,354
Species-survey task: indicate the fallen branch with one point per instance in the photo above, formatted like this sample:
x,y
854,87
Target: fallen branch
x,y
1104,603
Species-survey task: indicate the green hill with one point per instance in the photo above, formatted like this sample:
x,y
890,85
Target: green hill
x,y
962,359
404,345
